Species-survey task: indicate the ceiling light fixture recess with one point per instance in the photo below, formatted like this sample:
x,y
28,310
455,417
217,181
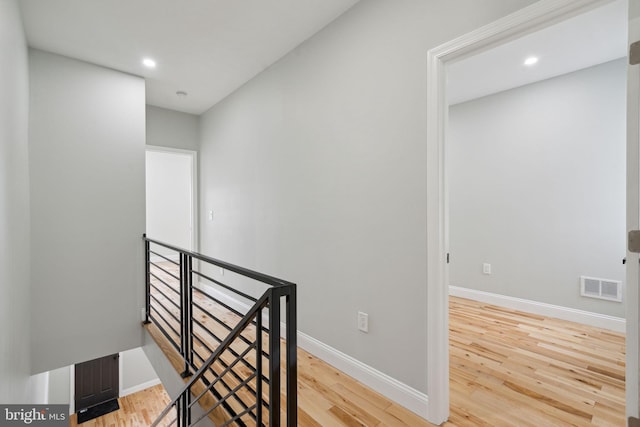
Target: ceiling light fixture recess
x,y
181,93
149,63
531,60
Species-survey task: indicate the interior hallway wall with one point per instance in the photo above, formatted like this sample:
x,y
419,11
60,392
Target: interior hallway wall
x,y
136,370
172,129
60,386
86,153
537,188
16,385
315,171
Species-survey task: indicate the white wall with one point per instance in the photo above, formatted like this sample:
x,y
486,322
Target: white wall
x,y
537,188
315,171
169,198
60,386
87,142
137,372
174,129
14,209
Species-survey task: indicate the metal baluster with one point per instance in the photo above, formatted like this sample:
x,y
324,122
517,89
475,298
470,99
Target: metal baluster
x,y
147,269
259,368
189,308
274,357
184,321
292,361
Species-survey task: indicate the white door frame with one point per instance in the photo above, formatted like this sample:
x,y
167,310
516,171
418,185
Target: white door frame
x,y
527,20
194,188
632,382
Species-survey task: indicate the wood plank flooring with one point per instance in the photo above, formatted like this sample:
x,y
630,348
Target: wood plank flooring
x,y
136,410
326,396
507,368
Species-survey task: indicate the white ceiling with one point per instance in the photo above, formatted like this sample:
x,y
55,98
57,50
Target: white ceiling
x,y
597,36
207,48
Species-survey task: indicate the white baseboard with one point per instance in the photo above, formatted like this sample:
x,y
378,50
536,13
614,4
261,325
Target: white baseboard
x,y
173,257
139,387
232,302
389,387
543,309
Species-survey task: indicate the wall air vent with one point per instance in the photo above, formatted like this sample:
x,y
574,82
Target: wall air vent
x,y
601,288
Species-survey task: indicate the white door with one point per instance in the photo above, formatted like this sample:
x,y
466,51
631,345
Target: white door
x,y
170,197
633,218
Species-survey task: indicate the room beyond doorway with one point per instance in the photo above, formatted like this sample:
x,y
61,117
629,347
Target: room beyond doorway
x,y
535,17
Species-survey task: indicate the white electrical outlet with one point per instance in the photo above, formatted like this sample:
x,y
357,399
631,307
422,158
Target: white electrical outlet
x,y
210,215
143,314
486,268
221,271
363,322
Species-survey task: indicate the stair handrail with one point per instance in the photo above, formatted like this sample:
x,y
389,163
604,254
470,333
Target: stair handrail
x,y
247,319
261,277
278,288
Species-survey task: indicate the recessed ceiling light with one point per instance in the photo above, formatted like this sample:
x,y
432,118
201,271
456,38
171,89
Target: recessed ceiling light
x,y
531,60
149,63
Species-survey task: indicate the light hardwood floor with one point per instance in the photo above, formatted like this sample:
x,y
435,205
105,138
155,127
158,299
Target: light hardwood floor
x,y
136,410
516,369
326,396
507,369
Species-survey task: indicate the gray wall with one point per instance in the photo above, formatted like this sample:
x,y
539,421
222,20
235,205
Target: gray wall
x,y
136,369
60,386
87,144
173,129
537,188
15,384
315,171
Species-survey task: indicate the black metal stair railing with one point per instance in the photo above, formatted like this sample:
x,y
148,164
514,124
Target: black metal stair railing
x,y
229,336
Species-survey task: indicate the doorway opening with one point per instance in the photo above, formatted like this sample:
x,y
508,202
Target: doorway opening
x,y
439,185
171,196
